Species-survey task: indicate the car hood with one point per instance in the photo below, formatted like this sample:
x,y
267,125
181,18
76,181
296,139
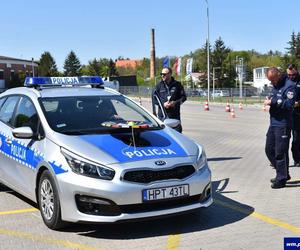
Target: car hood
x,y
122,148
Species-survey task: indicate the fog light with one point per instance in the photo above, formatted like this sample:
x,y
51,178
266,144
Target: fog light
x,y
87,199
96,206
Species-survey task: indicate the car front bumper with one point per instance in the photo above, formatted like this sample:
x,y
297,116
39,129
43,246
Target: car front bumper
x,y
85,199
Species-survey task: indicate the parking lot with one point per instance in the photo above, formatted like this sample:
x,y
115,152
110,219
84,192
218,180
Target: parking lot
x,y
246,214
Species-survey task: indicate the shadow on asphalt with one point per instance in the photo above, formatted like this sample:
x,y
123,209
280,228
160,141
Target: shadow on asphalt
x,y
224,211
6,189
224,158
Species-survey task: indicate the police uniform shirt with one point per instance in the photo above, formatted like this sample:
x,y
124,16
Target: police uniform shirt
x,y
283,98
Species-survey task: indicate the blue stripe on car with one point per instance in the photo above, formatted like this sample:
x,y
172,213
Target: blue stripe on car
x,y
161,145
24,155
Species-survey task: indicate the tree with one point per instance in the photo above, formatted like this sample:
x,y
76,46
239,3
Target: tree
x,y
219,55
292,48
72,65
17,80
100,67
112,70
47,65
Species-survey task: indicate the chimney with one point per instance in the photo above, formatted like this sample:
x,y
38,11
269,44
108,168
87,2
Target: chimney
x,y
152,55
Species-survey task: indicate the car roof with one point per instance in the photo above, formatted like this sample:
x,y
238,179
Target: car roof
x,y
61,91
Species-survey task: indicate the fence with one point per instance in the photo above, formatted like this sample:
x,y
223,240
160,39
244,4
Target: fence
x,y
249,94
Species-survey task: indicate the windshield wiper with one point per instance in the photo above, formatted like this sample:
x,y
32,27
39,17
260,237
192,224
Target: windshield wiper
x,y
105,130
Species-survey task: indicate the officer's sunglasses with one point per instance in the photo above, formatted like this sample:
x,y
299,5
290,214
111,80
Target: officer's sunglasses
x,y
292,66
163,74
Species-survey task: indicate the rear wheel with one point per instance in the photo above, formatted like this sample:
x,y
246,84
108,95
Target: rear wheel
x,y
49,201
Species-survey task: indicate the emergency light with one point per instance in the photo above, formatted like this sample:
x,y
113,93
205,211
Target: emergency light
x,y
60,81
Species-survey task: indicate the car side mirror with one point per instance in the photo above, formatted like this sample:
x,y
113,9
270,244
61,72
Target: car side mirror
x,y
173,123
23,132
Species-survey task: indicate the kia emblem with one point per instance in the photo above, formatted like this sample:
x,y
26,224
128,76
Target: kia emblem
x,y
160,163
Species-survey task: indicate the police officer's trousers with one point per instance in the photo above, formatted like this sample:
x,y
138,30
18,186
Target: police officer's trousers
x,y
277,150
296,139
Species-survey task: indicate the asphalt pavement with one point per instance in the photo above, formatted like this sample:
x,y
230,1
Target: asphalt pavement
x,y
246,214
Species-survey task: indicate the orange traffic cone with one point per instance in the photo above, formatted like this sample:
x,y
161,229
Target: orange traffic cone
x,y
232,113
241,106
227,108
206,107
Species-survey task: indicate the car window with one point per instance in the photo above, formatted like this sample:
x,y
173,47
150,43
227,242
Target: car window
x,y
82,114
2,100
26,115
126,112
7,109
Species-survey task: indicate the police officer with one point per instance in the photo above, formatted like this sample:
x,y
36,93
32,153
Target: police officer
x,y
293,75
281,102
172,95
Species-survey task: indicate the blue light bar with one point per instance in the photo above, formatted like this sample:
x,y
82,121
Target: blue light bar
x,y
59,81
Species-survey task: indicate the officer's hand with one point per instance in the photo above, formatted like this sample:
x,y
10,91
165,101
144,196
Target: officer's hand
x,y
296,105
172,104
167,105
267,101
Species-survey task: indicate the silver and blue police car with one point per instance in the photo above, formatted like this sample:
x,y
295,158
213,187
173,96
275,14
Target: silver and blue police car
x,y
86,153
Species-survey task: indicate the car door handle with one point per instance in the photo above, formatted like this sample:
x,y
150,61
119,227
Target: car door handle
x,y
8,141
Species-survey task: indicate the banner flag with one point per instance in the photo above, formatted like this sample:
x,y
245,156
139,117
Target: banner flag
x,y
177,66
189,66
166,62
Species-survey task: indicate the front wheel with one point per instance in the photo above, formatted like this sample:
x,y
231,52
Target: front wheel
x,y
49,201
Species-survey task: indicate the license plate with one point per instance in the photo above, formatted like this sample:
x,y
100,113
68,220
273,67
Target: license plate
x,y
154,194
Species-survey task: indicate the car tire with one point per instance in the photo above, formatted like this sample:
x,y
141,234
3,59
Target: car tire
x,y
49,203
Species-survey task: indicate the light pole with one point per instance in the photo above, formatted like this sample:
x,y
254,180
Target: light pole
x,y
241,60
213,94
240,71
32,66
207,44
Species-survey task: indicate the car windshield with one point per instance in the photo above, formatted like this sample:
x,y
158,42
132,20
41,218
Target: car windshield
x,y
95,114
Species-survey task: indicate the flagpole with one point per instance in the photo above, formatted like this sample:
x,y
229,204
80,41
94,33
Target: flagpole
x,y
181,73
207,44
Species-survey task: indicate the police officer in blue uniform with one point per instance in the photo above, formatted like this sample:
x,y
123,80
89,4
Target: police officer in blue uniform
x,y
172,95
281,102
293,75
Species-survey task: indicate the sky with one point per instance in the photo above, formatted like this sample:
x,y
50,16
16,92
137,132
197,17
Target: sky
x,y
109,29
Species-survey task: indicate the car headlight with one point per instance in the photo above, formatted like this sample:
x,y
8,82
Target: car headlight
x,y
201,158
81,166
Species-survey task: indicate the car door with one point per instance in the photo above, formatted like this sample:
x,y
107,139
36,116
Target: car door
x,y
7,164
158,108
27,152
2,100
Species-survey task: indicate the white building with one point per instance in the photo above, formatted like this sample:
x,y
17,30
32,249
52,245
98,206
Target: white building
x,y
260,79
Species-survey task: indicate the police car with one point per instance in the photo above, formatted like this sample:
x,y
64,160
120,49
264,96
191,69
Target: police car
x,y
86,153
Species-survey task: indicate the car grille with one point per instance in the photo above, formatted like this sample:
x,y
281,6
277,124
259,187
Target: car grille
x,y
147,176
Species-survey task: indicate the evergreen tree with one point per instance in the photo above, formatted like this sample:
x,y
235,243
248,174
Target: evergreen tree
x,y
220,52
292,49
94,68
72,65
47,65
100,67
112,68
219,55
297,47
